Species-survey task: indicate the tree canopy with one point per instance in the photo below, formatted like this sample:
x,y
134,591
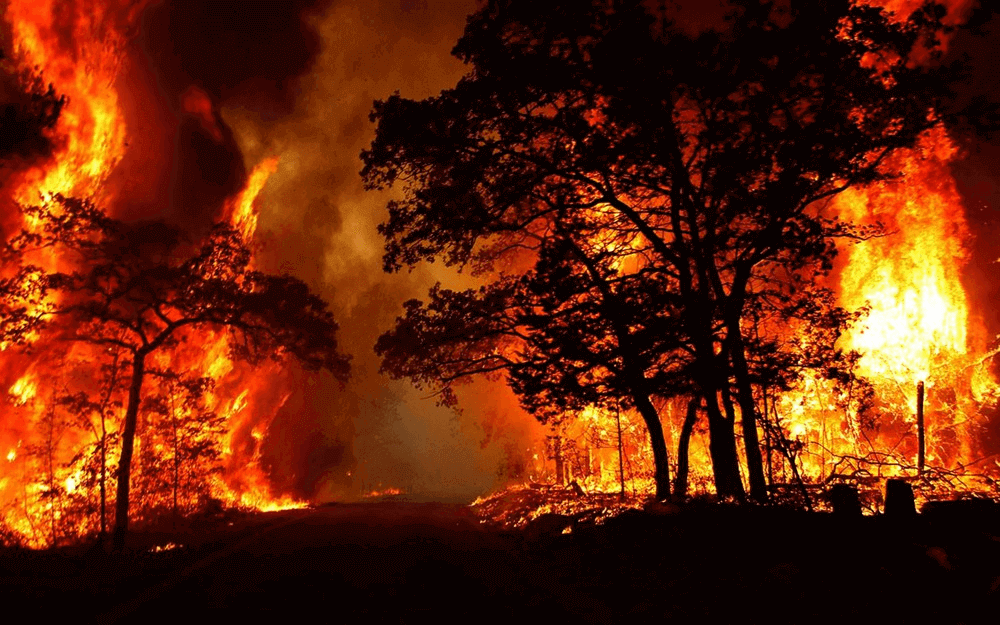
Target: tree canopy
x,y
631,191
140,288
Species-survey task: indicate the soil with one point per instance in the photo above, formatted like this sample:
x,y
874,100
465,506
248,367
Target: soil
x,y
398,561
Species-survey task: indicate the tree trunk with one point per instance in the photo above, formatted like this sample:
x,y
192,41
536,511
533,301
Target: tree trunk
x,y
681,480
661,460
176,467
128,438
748,413
621,453
722,448
104,478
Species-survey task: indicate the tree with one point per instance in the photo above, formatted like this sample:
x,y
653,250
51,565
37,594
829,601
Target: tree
x,y
570,334
142,288
94,415
28,110
183,445
709,158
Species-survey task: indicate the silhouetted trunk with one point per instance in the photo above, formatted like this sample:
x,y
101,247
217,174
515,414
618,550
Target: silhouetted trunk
x,y
128,439
748,412
50,417
722,448
661,464
621,454
920,428
557,455
104,478
722,440
681,480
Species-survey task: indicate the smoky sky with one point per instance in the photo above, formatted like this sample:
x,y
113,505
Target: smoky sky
x,y
213,88
251,52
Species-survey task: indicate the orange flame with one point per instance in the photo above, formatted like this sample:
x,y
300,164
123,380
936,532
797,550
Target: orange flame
x,y
82,52
242,214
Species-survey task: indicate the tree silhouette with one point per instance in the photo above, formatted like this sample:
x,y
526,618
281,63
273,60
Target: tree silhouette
x,y
28,109
709,159
142,288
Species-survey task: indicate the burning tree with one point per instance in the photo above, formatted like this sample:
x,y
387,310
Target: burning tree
x,y
30,109
143,290
606,151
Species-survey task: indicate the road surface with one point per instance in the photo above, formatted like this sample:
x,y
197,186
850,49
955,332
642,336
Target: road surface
x,y
399,562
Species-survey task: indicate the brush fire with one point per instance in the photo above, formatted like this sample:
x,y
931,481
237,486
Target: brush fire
x,y
156,346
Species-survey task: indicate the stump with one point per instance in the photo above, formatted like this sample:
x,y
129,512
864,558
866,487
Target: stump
x,y
844,499
899,501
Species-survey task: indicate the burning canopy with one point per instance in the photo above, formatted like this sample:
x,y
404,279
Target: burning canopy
x,y
103,316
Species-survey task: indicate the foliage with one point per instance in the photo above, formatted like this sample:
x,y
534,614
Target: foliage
x,y
28,110
632,192
143,288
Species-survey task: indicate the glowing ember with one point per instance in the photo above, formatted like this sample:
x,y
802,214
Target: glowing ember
x,y
167,547
385,492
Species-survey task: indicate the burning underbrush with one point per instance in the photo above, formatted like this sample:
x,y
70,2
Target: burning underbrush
x,y
519,506
547,509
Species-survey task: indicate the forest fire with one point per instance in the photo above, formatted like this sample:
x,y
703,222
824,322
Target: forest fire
x,y
903,319
583,311
199,440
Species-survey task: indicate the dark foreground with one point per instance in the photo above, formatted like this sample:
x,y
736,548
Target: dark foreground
x,y
406,562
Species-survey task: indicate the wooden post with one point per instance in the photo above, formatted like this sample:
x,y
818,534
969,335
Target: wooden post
x,y
920,428
621,461
560,466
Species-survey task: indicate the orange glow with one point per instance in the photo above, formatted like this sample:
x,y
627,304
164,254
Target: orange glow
x,y
384,492
23,391
197,103
90,131
83,59
242,213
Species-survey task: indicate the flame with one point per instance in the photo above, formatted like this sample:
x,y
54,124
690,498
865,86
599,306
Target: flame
x,y
82,52
910,278
918,329
384,492
23,391
242,214
90,129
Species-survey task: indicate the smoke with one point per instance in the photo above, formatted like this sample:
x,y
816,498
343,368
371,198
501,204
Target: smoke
x,y
213,88
296,80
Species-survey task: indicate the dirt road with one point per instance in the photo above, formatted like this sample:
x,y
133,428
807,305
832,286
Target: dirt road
x,y
400,562
375,562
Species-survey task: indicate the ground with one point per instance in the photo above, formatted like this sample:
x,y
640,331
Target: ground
x,y
399,561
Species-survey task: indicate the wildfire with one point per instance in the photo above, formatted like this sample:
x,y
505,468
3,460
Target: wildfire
x,y
92,130
919,315
242,214
385,492
49,491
